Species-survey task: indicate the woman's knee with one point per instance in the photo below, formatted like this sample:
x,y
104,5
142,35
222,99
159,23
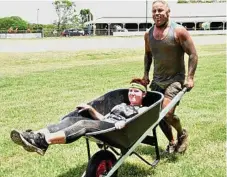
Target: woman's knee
x,y
82,123
72,135
68,121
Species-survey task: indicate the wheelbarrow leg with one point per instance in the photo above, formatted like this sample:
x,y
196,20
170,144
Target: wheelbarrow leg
x,y
88,149
156,148
88,153
153,141
84,174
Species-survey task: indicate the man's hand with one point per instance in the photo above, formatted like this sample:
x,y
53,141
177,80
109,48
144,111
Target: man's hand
x,y
120,124
189,84
146,78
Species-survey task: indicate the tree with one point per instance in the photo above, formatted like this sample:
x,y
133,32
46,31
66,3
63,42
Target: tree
x,y
86,15
66,11
13,22
76,22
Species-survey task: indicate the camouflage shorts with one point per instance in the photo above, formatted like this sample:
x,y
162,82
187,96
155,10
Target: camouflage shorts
x,y
170,92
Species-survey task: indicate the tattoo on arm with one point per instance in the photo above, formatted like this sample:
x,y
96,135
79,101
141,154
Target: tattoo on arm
x,y
147,62
192,65
189,48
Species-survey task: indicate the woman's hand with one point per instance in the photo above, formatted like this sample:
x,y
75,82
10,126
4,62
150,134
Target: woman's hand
x,y
94,114
84,106
120,124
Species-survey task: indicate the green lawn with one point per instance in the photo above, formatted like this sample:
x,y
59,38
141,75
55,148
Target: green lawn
x,y
39,88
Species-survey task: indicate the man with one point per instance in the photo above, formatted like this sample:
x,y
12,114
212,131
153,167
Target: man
x,y
166,43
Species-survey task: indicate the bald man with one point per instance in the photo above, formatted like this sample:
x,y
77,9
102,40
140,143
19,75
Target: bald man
x,y
165,44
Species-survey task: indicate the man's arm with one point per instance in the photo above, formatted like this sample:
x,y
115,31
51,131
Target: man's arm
x,y
189,47
147,58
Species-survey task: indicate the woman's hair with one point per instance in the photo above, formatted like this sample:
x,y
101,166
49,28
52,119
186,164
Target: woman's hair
x,y
139,81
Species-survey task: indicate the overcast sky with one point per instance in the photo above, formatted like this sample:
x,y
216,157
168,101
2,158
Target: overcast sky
x,y
46,14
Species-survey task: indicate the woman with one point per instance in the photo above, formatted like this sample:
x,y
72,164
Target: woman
x,y
73,127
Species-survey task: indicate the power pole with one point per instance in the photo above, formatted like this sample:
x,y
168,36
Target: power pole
x,y
146,15
37,16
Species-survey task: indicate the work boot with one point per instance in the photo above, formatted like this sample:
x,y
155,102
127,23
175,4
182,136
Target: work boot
x,y
16,139
30,141
171,148
182,143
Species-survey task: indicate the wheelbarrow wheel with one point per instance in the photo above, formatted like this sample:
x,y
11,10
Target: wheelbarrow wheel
x,y
100,164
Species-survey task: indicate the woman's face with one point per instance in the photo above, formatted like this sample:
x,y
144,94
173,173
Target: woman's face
x,y
135,96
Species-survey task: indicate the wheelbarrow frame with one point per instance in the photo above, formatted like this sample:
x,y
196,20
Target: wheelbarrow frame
x,y
146,138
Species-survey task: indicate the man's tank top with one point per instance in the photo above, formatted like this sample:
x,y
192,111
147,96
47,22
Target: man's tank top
x,y
168,58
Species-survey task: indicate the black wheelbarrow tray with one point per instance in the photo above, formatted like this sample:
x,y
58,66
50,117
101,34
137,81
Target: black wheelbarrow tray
x,y
139,129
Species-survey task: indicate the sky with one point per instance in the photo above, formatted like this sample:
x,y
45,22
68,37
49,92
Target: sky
x,y
43,11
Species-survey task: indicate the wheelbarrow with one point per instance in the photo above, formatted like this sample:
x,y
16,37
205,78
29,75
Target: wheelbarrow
x,y
139,129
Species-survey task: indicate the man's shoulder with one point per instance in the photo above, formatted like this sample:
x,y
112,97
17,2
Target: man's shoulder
x,y
176,26
149,30
146,34
179,30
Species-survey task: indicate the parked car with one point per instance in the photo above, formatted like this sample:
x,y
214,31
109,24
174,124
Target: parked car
x,y
72,32
86,31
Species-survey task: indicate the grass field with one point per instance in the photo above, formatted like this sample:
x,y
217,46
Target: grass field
x,y
39,88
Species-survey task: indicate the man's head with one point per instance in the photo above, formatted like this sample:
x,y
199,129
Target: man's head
x,y
137,91
160,12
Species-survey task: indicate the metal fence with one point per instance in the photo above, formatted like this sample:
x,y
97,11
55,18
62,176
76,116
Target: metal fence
x,y
98,32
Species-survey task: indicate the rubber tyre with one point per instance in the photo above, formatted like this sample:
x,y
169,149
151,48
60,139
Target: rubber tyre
x,y
100,163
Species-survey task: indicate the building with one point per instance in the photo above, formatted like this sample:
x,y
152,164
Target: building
x,y
193,16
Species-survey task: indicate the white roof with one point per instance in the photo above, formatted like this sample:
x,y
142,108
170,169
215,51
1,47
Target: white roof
x,y
123,20
198,9
149,20
188,12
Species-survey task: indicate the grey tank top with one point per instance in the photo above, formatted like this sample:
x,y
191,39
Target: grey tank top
x,y
123,112
168,58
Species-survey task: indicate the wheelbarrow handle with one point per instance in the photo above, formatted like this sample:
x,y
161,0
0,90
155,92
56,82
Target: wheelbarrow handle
x,y
185,89
173,102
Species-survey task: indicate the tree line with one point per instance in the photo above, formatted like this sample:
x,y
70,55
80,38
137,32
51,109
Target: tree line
x,y
67,17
